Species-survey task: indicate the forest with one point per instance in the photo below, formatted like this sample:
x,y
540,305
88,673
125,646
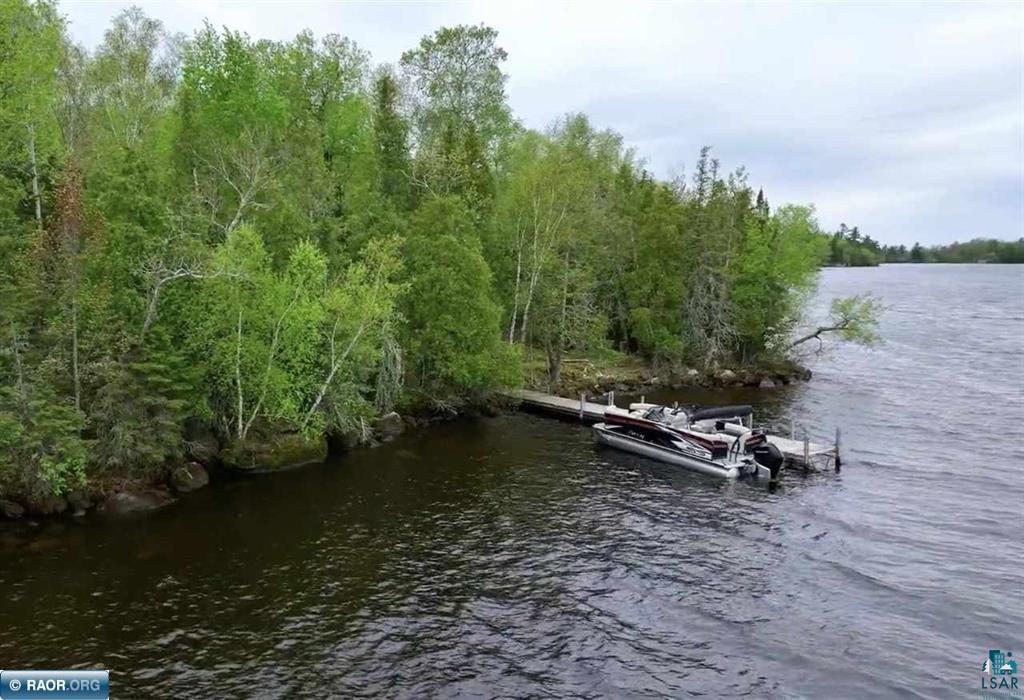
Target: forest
x,y
847,247
977,250
284,239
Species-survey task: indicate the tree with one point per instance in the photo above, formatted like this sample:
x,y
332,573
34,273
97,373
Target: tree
x,y
133,76
452,334
258,326
854,318
290,346
457,76
391,133
460,112
776,274
31,36
361,320
280,240
717,215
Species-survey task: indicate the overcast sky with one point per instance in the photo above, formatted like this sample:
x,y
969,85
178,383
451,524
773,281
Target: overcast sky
x,y
906,119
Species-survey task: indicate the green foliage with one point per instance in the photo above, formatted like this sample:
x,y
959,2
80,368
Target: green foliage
x,y
847,248
138,413
276,345
31,36
458,78
777,272
391,140
282,240
452,331
854,319
978,250
41,451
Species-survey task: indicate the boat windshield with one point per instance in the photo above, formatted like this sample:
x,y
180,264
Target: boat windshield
x,y
655,413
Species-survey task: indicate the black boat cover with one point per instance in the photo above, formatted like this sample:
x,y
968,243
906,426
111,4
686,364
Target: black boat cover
x,y
721,412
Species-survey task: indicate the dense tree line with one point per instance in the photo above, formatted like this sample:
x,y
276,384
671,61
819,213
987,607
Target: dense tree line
x,y
848,248
978,250
271,237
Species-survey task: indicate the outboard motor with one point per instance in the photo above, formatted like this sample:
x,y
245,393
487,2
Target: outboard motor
x,y
770,456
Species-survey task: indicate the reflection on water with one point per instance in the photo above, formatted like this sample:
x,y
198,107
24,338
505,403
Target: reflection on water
x,y
511,556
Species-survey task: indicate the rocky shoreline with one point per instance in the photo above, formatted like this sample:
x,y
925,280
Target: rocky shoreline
x,y
594,378
205,454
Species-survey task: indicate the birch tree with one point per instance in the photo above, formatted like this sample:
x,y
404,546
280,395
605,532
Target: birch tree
x,y
132,76
31,36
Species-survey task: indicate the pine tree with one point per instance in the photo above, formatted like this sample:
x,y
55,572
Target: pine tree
x,y
391,136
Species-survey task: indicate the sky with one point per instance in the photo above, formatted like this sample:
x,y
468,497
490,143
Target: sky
x,y
905,119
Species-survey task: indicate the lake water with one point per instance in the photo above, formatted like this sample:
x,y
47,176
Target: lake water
x,y
510,556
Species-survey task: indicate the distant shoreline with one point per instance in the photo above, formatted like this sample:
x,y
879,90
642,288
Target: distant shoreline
x,y
928,262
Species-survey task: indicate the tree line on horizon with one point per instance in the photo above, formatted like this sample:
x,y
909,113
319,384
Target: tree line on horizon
x,y
847,247
283,237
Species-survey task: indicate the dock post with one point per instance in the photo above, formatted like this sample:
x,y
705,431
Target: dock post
x,y
807,452
839,462
643,399
611,398
583,404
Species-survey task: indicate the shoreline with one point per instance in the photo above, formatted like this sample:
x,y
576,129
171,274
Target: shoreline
x,y
116,496
627,375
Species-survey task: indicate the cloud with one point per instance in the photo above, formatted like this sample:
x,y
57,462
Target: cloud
x,y
905,119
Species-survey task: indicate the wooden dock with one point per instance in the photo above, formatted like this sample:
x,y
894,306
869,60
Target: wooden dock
x,y
580,409
798,453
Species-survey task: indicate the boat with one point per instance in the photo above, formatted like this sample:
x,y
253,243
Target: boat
x,y
720,441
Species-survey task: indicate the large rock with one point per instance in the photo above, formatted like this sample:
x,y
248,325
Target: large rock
x,y
347,440
390,425
491,407
201,443
726,376
278,452
79,502
766,383
131,502
189,477
10,509
47,505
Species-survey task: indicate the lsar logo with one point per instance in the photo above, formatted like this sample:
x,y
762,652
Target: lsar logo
x,y
999,672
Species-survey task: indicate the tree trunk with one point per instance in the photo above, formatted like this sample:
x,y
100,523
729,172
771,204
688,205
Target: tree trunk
x,y
270,366
515,301
74,349
35,176
817,334
335,365
22,397
555,349
554,363
238,373
534,274
154,298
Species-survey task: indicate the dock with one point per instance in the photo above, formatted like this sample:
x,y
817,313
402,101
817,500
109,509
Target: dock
x,y
581,409
798,453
